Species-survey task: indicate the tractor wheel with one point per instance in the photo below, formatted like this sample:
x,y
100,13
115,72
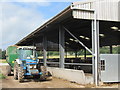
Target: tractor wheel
x,y
15,70
9,70
48,75
20,74
44,71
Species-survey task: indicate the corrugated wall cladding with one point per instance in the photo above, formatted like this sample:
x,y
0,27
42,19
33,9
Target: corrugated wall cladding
x,y
119,11
106,9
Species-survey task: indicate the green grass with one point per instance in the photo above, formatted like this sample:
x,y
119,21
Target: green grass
x,y
2,76
4,62
69,56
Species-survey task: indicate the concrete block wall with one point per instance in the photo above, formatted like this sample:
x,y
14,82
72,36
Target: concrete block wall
x,y
4,69
77,76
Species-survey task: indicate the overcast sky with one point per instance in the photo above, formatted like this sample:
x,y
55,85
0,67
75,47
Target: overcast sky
x,y
20,18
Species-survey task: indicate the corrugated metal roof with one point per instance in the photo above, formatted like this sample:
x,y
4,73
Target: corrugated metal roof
x,y
106,9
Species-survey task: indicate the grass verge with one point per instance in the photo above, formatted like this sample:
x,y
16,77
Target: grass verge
x,y
4,62
2,76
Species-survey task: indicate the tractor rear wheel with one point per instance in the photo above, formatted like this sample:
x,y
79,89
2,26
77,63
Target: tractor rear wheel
x,y
15,70
20,74
44,71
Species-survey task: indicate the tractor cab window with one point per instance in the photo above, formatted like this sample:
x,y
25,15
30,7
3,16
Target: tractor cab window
x,y
27,54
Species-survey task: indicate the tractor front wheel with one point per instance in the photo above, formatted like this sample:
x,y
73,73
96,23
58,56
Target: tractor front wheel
x,y
20,74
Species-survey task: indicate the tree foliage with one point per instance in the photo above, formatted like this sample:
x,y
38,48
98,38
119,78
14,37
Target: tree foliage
x,y
103,50
2,54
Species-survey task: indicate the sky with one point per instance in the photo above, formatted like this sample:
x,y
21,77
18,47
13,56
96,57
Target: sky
x,y
18,18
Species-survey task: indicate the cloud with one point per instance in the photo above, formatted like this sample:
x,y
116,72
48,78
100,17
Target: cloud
x,y
39,0
23,0
18,20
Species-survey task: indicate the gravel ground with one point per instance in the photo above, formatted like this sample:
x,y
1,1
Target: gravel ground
x,y
9,82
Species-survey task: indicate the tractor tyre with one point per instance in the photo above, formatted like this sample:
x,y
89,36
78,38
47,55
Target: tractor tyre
x,y
15,70
44,72
20,74
9,70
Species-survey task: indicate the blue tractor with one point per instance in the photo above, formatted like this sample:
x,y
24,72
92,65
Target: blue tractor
x,y
23,62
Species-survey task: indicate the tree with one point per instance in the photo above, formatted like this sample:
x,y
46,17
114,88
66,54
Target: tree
x,y
0,53
3,54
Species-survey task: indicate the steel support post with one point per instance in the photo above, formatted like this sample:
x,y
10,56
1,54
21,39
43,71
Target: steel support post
x,y
65,55
61,46
76,54
95,49
45,50
97,53
85,54
110,49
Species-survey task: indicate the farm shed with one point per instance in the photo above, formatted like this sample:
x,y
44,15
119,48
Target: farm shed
x,y
86,25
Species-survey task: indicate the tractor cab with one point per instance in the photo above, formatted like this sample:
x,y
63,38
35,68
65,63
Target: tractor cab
x,y
27,53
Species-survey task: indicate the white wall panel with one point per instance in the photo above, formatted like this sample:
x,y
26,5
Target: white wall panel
x,y
106,9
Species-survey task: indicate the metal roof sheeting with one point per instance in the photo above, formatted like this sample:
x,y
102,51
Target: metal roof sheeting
x,y
108,10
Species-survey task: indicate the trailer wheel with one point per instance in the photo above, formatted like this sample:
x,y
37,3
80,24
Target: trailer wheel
x,y
15,70
44,71
20,74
